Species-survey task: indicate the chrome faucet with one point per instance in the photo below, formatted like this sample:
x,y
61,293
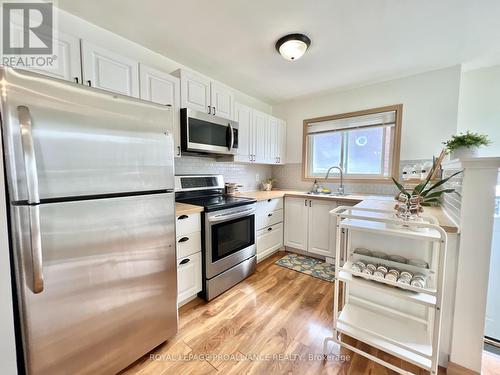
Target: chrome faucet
x,y
341,187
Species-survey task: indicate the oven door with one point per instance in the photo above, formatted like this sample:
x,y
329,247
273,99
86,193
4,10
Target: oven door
x,y
201,132
229,238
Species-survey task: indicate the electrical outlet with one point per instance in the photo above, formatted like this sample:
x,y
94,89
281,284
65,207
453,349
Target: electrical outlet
x,y
257,177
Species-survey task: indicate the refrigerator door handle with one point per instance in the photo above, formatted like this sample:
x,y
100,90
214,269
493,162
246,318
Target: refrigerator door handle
x,y
29,154
36,248
33,196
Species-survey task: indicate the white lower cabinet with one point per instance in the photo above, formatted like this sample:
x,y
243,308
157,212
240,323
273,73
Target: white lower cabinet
x,y
269,227
321,228
296,222
188,277
269,240
188,250
309,225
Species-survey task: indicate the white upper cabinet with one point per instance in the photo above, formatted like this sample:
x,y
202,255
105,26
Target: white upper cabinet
x,y
109,71
281,142
159,87
68,65
243,115
261,137
272,141
195,91
162,88
222,101
202,94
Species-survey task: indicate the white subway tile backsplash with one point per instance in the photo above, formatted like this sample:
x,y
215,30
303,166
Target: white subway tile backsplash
x,y
289,176
248,175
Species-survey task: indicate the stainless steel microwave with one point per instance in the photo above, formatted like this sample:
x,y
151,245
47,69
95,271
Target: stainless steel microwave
x,y
207,134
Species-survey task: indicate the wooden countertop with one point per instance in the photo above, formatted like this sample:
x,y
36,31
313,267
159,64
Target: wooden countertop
x,y
186,209
264,195
444,221
383,202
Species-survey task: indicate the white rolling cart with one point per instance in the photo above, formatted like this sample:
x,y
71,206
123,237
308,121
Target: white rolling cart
x,y
400,319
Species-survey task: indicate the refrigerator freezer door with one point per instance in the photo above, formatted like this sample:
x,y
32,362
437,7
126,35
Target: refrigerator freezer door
x,y
85,141
110,289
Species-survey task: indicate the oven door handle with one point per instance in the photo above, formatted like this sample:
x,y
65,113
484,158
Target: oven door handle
x,y
218,219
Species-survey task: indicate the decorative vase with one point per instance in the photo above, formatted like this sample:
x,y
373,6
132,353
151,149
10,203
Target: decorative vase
x,y
408,208
464,153
267,186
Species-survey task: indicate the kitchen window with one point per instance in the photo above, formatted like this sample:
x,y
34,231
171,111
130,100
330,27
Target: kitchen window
x,y
365,144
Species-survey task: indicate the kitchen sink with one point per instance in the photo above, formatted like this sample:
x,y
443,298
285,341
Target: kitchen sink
x,y
331,194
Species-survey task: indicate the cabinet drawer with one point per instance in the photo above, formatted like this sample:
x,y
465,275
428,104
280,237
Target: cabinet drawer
x,y
269,240
270,205
188,244
188,277
186,224
265,219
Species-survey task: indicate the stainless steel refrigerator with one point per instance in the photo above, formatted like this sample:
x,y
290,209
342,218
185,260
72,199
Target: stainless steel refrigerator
x,y
90,185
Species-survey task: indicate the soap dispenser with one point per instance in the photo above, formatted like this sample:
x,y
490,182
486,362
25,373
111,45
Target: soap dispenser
x,y
315,188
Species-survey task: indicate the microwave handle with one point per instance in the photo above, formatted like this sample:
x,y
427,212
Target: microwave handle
x,y
231,134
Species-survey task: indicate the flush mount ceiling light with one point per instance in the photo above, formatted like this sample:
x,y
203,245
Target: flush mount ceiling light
x,y
293,46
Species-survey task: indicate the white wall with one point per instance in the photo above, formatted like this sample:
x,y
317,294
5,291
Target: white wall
x,y
82,29
479,105
430,104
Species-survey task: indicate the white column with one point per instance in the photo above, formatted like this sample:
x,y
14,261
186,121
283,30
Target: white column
x,y
476,229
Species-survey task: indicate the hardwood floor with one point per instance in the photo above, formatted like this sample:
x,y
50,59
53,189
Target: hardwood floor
x,y
274,322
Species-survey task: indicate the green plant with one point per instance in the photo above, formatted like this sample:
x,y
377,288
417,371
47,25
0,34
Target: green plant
x,y
269,181
467,139
429,196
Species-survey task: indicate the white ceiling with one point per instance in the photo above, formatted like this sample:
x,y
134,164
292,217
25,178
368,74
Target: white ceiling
x,y
354,42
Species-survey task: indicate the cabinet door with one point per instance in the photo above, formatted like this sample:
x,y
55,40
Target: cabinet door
x,y
222,101
67,66
296,222
243,115
188,277
260,128
109,71
195,92
269,240
321,238
281,142
162,88
272,141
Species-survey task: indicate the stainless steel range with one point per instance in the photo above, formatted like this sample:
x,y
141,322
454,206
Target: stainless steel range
x,y
228,232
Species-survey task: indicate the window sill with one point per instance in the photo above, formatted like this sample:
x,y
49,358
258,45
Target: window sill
x,y
387,180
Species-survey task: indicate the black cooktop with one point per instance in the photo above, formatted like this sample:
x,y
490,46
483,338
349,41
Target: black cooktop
x,y
217,202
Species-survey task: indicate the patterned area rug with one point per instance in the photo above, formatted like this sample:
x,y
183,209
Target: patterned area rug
x,y
310,266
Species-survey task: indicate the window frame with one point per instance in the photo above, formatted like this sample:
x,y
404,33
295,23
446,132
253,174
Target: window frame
x,y
395,142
